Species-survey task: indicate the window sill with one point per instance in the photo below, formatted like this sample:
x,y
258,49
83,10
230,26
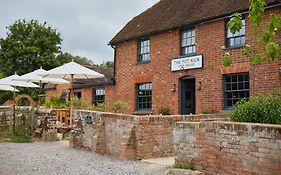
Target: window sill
x,y
145,62
188,55
142,113
234,47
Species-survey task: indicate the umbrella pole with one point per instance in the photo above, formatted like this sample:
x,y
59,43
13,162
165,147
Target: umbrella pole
x,y
71,96
39,93
14,93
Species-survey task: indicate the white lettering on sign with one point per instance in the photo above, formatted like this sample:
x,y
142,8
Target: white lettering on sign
x,y
187,63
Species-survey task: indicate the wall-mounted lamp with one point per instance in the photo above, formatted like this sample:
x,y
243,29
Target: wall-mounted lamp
x,y
199,85
174,88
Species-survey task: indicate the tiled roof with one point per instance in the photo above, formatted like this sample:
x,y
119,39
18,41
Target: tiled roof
x,y
170,14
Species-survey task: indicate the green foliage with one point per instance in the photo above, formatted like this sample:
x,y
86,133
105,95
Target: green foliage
x,y
188,166
256,13
209,110
108,64
1,75
165,111
120,107
21,139
247,51
77,103
67,57
99,107
235,23
268,37
273,50
4,96
226,60
259,109
29,45
56,103
22,133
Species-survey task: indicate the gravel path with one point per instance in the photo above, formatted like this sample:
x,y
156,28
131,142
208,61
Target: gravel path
x,y
57,158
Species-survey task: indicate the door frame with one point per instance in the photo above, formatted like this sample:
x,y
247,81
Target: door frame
x,y
183,90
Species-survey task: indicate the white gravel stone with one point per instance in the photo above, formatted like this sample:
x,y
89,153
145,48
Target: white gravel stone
x,y
57,158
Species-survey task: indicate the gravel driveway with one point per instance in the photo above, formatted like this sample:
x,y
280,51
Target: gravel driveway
x,y
57,158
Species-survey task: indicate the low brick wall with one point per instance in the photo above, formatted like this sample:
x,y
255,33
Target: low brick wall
x,y
128,136
229,148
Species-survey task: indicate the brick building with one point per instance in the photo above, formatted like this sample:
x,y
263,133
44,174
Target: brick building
x,y
170,56
91,90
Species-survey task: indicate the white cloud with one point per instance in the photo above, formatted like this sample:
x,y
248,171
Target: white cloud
x,y
86,26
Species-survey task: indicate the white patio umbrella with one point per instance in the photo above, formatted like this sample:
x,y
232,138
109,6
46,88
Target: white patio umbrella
x,y
12,82
36,78
8,88
72,71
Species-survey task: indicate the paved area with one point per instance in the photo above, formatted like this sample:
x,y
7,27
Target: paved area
x,y
167,161
57,158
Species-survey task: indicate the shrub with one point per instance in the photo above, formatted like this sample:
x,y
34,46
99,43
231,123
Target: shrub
x,y
79,103
209,110
259,109
188,166
120,107
99,107
165,111
56,103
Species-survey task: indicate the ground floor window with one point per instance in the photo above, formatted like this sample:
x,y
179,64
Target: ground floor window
x,y
99,96
78,94
236,87
144,97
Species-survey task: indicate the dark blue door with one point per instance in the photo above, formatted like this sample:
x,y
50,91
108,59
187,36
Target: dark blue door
x,y
188,96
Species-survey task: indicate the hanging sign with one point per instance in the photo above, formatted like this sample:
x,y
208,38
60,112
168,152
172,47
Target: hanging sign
x,y
187,63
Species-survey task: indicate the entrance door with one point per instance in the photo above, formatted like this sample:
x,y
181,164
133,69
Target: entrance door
x,y
188,96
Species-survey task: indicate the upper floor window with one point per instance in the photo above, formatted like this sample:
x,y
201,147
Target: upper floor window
x,y
99,96
144,51
236,87
188,42
144,97
238,38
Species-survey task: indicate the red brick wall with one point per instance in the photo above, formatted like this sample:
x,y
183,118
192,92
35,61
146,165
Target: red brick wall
x,y
210,41
128,136
60,88
86,93
229,148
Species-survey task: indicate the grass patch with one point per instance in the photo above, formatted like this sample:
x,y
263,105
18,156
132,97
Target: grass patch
x,y
21,139
187,166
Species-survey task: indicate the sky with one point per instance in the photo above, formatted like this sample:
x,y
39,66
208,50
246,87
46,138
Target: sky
x,y
86,26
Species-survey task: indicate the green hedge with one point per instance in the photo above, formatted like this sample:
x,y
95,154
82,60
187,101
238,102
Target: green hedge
x,y
264,108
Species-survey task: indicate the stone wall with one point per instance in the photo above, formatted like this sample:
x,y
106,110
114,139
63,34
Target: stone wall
x,y
127,136
229,148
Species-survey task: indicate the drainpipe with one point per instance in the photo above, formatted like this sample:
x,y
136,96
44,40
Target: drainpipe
x,y
114,48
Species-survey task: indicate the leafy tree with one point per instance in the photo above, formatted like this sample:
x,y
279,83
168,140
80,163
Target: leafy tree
x,y
108,64
67,57
266,40
29,45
